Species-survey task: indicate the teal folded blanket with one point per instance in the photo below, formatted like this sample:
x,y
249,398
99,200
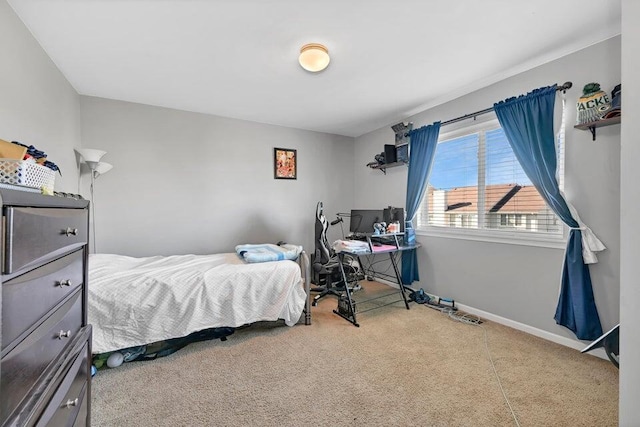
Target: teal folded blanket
x,y
268,252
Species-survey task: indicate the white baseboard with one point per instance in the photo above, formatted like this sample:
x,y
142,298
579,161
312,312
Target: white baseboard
x,y
387,282
549,336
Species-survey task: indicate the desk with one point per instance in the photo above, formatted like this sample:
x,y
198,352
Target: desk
x,y
346,309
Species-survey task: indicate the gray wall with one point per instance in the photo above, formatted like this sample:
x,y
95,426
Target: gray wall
x,y
629,207
194,183
37,105
520,283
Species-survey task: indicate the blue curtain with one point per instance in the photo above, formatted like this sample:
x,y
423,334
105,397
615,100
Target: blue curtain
x,y
528,124
422,148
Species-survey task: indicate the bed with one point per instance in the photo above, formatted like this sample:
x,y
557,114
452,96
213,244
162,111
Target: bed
x,y
138,301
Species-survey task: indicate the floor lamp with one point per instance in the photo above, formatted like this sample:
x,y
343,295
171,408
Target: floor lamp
x,y
91,157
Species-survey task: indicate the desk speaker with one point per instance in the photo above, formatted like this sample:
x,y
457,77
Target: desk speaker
x,y
390,153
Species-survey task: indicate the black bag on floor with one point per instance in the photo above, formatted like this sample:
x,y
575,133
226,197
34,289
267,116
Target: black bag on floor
x,y
167,347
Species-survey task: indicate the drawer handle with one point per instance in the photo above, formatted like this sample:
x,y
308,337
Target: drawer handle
x,y
71,403
71,231
63,334
67,282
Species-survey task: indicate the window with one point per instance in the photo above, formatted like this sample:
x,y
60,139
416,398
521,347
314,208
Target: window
x,y
477,187
514,220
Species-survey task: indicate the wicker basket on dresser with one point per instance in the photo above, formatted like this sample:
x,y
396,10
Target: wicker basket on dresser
x,y
45,375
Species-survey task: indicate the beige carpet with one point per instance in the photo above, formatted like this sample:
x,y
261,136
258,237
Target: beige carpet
x,y
400,368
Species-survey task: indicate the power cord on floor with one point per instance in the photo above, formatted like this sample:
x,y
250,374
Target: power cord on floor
x,y
475,321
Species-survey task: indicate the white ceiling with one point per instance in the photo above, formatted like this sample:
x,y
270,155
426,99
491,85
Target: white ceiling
x,y
389,59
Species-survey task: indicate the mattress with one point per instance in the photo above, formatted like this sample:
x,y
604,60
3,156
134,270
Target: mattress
x,y
136,301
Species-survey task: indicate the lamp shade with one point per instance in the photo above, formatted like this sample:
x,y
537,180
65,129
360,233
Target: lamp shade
x,y
314,57
103,167
90,154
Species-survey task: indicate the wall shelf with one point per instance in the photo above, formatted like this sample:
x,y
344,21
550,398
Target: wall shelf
x,y
591,126
383,167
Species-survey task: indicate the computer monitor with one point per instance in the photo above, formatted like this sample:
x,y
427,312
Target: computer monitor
x,y
362,220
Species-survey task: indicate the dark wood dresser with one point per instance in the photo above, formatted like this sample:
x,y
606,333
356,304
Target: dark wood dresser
x,y
45,370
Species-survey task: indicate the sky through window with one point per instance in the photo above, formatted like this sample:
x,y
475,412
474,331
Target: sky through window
x,y
456,162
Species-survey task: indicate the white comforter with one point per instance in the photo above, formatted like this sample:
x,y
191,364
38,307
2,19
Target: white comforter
x,y
136,301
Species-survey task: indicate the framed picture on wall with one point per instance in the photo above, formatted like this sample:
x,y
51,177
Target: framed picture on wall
x,y
285,163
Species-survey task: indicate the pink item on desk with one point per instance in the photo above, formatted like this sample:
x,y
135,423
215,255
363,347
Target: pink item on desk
x,y
394,227
383,248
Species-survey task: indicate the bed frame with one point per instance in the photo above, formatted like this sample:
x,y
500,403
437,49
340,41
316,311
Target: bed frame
x,y
305,269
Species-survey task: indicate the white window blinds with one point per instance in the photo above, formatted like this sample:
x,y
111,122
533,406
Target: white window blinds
x,y
476,182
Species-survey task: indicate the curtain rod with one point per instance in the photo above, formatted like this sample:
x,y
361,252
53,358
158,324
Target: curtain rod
x,y
564,87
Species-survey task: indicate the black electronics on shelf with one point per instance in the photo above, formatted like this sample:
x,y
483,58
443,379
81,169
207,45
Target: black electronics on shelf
x,y
390,153
395,154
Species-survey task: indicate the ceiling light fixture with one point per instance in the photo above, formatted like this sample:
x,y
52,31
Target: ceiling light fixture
x,y
314,57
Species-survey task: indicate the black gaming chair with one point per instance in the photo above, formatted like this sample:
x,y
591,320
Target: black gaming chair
x,y
325,262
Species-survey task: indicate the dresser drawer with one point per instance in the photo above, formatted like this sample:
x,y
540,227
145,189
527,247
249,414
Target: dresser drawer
x,y
36,235
23,365
26,299
72,412
69,398
82,419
